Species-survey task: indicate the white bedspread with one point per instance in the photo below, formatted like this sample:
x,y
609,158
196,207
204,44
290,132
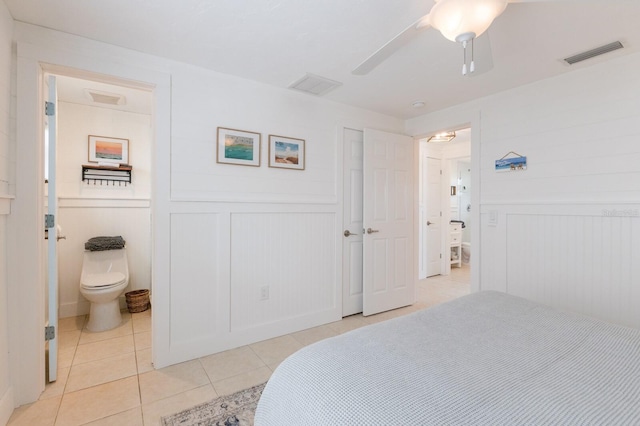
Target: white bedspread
x,y
484,359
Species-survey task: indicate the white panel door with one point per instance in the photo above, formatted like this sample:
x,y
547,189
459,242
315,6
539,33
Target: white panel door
x,y
389,205
52,209
434,217
352,223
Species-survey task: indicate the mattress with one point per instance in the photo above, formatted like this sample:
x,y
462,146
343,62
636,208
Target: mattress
x,y
484,359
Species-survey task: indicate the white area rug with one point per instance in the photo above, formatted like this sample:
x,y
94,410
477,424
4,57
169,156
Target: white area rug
x,y
237,409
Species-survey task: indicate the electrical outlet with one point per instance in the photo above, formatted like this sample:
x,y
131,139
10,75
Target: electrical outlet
x,y
264,292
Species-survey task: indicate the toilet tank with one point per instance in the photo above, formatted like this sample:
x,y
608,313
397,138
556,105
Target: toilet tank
x,y
97,262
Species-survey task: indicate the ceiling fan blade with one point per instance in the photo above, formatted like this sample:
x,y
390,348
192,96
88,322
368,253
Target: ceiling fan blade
x,y
392,46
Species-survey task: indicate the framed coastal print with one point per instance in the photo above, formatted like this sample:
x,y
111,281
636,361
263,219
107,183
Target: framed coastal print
x,y
238,147
286,153
104,149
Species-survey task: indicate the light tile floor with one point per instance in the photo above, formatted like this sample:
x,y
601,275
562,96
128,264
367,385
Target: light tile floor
x,y
107,378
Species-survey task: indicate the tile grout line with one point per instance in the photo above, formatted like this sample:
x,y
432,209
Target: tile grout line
x,y
82,331
64,388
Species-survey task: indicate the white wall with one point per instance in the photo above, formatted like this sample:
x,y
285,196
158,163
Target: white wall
x,y
6,134
568,228
237,229
222,232
87,210
75,123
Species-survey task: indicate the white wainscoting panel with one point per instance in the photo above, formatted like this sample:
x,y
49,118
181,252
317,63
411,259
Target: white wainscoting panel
x,y
586,262
291,256
195,298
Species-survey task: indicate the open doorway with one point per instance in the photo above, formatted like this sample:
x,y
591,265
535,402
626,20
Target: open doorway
x,y
445,208
96,197
445,218
26,260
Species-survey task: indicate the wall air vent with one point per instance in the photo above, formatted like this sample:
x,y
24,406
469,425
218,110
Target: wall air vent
x,y
105,97
315,85
594,52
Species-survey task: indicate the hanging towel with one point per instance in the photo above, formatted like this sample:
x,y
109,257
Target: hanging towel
x,y
104,243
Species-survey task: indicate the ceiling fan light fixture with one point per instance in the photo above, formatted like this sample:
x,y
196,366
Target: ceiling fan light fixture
x,y
460,20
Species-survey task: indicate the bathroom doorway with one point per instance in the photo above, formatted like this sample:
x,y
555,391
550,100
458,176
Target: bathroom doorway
x,y
450,155
113,203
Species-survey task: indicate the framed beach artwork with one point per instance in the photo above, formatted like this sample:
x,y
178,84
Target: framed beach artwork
x,y
103,149
238,147
286,153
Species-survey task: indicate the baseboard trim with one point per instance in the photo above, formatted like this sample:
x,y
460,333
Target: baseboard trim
x,y
82,307
6,406
73,309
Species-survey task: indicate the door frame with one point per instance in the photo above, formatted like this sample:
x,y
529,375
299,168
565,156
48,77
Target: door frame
x,y
26,273
468,119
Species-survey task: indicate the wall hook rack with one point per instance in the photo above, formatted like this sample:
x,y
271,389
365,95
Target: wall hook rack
x,y
110,175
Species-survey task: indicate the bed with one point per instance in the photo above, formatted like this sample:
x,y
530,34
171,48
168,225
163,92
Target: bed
x,y
484,359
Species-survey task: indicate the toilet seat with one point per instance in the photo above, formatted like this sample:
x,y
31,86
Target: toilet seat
x,y
102,281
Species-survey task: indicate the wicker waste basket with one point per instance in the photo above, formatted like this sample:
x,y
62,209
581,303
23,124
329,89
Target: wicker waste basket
x,y
137,300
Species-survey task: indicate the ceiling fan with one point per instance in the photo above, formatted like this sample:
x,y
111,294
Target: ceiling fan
x,y
458,20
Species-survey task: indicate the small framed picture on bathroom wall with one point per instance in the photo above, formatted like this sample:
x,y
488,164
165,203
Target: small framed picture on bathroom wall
x,y
286,153
238,147
104,149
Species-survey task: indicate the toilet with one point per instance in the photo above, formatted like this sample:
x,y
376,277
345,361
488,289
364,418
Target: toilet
x,y
466,252
105,276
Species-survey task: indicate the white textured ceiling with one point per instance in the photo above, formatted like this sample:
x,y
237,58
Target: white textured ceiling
x,y
278,41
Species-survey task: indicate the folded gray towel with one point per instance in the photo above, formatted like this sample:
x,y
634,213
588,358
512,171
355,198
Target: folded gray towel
x,y
104,243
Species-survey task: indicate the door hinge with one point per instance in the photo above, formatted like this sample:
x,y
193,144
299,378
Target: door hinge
x,y
49,333
49,108
49,221
440,255
440,171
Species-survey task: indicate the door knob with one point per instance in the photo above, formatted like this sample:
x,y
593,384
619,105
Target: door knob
x,y
348,233
371,231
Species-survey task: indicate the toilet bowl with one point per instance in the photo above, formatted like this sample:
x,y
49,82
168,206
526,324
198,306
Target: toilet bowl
x,y
466,252
105,276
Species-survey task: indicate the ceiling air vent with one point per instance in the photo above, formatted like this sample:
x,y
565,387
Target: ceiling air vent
x,y
315,85
594,52
105,97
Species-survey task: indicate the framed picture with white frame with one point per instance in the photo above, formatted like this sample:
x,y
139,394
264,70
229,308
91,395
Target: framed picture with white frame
x,y
107,150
